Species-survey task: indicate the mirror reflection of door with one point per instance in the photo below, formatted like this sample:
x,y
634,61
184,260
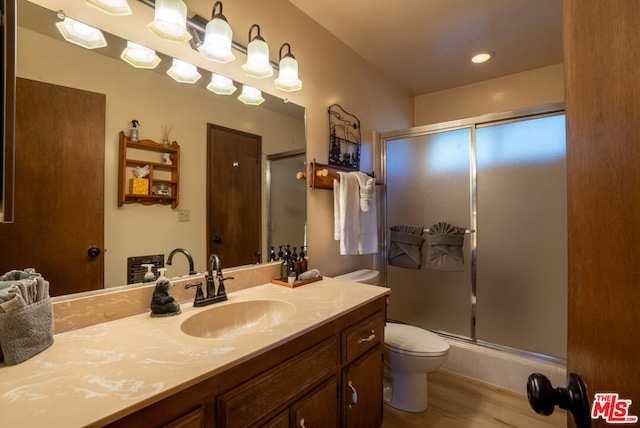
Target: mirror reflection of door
x,y
287,212
233,195
59,196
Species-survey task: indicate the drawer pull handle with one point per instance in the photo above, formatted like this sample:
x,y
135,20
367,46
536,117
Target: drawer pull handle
x,y
302,423
354,395
369,338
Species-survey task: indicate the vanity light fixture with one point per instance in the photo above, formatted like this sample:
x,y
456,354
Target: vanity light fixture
x,y
257,64
170,21
482,57
251,96
184,72
139,56
221,85
217,38
112,7
288,76
79,33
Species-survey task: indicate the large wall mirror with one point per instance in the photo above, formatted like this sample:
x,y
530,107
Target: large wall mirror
x,y
157,101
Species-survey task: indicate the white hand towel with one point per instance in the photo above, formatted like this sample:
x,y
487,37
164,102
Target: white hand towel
x,y
347,223
368,230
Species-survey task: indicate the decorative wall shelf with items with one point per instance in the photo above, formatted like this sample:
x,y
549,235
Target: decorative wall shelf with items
x,y
149,172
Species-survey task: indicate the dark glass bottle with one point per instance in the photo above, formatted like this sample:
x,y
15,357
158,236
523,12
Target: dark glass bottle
x,y
303,260
272,255
284,268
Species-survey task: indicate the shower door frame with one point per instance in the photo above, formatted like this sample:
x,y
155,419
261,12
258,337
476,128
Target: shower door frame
x,y
472,124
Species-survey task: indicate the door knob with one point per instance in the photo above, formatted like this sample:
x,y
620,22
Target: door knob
x,y
93,252
543,398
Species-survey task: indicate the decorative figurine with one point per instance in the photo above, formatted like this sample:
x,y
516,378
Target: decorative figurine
x,y
162,304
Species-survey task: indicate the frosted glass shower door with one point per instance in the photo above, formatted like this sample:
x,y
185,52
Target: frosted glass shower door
x,y
428,180
521,277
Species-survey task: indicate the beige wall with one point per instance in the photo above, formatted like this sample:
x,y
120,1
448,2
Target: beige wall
x,y
528,89
331,73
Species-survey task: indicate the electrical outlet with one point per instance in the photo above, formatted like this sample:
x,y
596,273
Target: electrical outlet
x,y
184,215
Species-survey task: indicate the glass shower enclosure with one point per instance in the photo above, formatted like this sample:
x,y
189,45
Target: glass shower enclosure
x,y
503,178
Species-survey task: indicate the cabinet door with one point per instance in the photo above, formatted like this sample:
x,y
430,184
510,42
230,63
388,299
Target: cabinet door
x,y
362,391
319,409
194,419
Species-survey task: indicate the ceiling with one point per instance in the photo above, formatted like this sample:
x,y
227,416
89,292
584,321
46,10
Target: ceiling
x,y
426,45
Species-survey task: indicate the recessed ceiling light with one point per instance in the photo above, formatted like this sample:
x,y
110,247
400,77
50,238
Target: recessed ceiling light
x,y
481,57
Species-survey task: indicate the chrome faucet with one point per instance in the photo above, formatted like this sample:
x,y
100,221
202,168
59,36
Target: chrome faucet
x,y
187,255
215,270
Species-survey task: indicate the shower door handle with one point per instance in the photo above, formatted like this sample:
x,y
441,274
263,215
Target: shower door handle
x,y
543,398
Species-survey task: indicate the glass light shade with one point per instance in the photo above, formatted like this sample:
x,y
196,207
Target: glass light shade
x,y
183,72
251,96
112,7
217,41
81,34
257,64
139,56
170,21
221,85
288,77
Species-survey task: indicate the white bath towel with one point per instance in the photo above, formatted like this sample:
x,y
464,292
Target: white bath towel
x,y
356,230
347,223
368,233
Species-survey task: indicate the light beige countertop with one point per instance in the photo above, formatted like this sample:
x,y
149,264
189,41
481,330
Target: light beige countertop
x,y
96,375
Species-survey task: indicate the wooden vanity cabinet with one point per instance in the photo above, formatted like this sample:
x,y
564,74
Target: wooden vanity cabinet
x,y
308,381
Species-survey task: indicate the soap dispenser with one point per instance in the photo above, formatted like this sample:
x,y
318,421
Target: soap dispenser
x,y
284,268
148,276
303,260
133,135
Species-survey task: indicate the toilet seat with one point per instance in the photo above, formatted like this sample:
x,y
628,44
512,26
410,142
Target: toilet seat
x,y
414,341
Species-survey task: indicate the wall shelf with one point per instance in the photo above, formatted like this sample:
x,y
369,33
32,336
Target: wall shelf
x,y
142,153
321,176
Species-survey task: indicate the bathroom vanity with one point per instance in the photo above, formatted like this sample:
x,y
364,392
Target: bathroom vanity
x,y
318,365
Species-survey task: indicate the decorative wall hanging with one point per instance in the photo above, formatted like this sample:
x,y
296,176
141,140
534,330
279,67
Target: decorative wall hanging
x,y
344,138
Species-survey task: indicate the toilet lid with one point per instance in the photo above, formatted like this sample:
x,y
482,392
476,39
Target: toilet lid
x,y
410,340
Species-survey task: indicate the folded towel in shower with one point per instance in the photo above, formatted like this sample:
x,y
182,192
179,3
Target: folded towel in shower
x,y
444,247
26,318
405,247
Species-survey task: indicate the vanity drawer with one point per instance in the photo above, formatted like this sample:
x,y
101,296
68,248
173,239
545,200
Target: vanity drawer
x,y
362,336
247,403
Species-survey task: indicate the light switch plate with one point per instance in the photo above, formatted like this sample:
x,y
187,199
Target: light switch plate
x,y
184,215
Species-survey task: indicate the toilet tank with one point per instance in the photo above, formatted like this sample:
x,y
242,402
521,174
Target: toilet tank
x,y
366,276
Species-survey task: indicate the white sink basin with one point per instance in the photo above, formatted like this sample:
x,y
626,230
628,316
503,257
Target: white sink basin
x,y
238,318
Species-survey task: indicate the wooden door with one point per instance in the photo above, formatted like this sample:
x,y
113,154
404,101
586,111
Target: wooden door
x,y
59,202
234,198
602,53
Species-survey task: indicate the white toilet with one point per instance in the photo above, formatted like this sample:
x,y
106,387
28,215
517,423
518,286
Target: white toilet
x,y
409,354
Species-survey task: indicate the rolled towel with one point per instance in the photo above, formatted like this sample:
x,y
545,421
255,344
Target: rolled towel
x,y
310,274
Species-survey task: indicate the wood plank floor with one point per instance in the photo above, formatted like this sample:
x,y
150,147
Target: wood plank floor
x,y
459,402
